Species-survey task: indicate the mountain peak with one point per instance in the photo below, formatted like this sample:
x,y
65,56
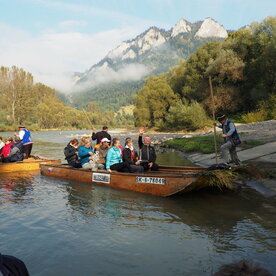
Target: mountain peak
x,y
151,52
151,38
211,28
182,26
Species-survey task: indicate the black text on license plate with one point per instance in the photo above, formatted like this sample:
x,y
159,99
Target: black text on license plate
x,y
150,180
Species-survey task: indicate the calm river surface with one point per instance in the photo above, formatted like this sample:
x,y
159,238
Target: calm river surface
x,y
62,227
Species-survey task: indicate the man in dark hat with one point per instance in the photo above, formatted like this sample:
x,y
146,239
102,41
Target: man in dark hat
x,y
231,140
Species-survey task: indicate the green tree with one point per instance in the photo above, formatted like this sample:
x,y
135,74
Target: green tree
x,y
16,90
153,102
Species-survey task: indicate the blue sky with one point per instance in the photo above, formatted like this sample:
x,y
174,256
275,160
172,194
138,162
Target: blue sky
x,y
50,38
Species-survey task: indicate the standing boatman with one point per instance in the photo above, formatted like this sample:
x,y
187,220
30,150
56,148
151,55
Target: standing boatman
x,y
26,140
231,140
100,135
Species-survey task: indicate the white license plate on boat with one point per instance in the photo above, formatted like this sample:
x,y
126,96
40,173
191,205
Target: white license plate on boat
x,y
101,177
151,180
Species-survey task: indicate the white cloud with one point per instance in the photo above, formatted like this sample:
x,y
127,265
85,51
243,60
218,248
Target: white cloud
x,y
52,57
105,74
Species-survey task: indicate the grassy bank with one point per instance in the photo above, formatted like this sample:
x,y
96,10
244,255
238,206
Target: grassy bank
x,y
204,144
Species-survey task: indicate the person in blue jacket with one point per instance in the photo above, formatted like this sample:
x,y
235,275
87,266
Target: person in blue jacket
x,y
26,139
85,152
114,159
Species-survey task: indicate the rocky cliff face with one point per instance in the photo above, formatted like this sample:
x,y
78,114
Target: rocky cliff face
x,y
211,28
153,51
182,26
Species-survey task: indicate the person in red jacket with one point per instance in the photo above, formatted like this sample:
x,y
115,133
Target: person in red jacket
x,y
4,155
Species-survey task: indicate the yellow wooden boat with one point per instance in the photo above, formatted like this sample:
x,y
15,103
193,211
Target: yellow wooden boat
x,y
29,164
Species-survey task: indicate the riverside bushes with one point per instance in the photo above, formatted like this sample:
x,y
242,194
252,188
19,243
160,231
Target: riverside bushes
x,y
242,69
183,115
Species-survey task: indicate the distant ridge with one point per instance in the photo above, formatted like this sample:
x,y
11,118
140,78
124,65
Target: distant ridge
x,y
153,51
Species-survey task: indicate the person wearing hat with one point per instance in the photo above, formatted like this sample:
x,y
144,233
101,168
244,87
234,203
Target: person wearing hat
x,y
102,151
26,139
231,140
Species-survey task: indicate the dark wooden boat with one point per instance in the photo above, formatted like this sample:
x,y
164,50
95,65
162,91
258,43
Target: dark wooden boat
x,y
25,165
165,182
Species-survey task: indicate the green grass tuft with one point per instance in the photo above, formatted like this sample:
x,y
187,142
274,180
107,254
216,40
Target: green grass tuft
x,y
204,144
221,179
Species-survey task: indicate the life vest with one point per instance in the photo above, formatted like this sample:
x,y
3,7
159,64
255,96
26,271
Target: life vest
x,y
27,137
235,136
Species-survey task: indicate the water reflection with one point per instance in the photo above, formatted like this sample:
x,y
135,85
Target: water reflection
x,y
61,227
14,187
218,215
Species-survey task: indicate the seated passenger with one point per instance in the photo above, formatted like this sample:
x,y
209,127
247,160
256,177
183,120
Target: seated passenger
x,y
17,151
114,159
147,153
4,155
83,140
2,144
131,157
71,153
87,157
102,151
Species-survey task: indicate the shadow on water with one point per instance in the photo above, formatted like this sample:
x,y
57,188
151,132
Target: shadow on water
x,y
213,212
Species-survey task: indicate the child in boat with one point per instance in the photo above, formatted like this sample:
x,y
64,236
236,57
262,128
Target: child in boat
x,y
131,157
71,154
114,159
4,155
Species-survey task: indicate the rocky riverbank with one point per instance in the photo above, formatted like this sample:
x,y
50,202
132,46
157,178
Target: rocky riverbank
x,y
262,156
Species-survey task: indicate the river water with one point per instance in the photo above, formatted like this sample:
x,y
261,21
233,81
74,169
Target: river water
x,y
62,227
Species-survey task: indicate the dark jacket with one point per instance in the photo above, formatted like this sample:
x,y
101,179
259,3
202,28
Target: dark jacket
x,y
70,153
127,156
17,152
100,135
10,265
147,153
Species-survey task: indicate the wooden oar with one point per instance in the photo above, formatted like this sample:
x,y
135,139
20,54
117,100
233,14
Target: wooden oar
x,y
88,119
214,118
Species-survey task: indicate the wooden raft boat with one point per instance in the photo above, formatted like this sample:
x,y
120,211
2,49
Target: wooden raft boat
x,y
165,182
25,165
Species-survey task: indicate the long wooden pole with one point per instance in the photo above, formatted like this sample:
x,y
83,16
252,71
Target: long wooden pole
x,y
88,119
214,118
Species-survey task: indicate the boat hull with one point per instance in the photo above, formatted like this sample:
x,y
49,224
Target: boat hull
x,y
168,181
25,165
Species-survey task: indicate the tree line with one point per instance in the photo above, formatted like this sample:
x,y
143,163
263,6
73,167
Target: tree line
x,y
242,69
39,107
